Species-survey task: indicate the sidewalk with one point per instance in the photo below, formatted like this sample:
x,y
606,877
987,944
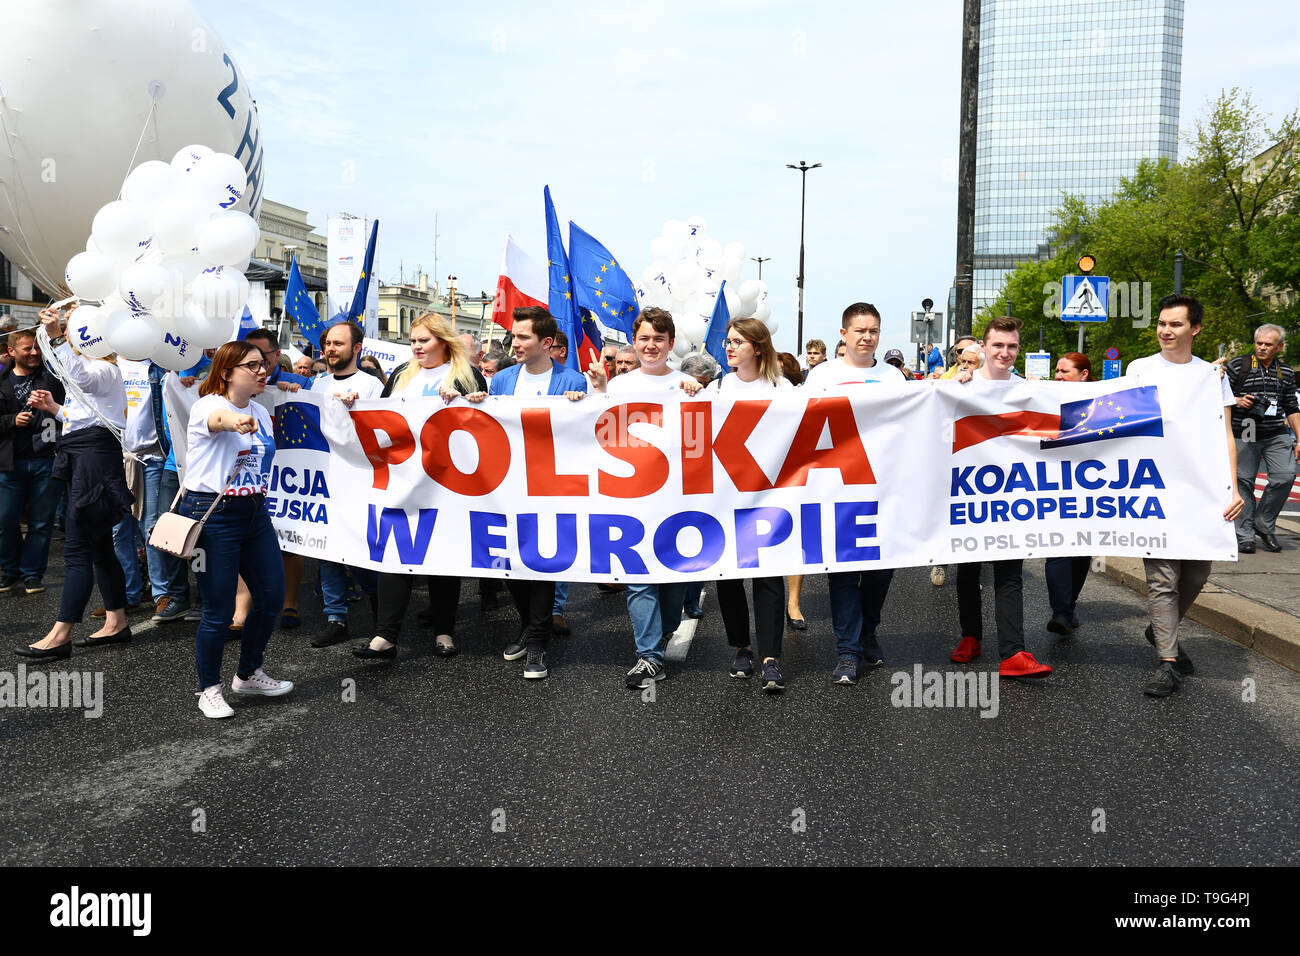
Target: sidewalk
x,y
1255,602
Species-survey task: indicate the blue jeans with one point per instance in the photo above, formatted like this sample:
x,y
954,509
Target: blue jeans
x,y
856,600
28,487
334,587
128,536
656,610
237,541
691,596
561,597
1065,577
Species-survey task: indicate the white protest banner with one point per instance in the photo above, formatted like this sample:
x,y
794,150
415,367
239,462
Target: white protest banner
x,y
650,489
389,354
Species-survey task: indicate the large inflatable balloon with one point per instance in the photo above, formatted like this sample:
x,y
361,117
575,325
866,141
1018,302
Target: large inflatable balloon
x,y
81,83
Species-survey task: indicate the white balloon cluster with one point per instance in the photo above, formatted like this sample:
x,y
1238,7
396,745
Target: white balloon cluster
x,y
166,262
686,273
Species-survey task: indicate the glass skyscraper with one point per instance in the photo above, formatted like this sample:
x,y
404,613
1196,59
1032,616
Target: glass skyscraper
x,y
1071,96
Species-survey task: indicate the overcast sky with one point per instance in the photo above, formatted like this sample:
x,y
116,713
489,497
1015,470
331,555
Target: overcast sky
x,y
635,114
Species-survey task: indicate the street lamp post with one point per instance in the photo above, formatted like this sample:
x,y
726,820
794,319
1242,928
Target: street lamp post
x,y
760,260
803,168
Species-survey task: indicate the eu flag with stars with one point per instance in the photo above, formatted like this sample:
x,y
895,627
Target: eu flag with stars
x,y
1129,413
357,313
560,299
600,282
713,338
297,425
298,303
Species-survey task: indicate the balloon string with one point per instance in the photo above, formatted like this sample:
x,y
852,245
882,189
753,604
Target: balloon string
x,y
151,115
55,365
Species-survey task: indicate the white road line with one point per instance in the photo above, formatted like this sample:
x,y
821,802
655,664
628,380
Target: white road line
x,y
679,645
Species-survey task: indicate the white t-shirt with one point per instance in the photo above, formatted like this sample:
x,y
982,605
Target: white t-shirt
x,y
427,381
1158,363
732,382
834,372
363,383
638,381
528,384
101,381
140,431
210,457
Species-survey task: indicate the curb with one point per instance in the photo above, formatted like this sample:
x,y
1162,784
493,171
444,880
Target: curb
x,y
1264,630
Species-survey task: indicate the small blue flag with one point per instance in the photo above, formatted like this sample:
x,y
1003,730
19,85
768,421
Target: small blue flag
x,y
297,425
298,303
247,324
1129,413
358,311
718,328
561,302
600,282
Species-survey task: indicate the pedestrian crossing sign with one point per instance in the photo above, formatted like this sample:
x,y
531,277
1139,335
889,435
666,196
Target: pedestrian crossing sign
x,y
1086,298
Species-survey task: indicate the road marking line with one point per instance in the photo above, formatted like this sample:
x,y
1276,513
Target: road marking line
x,y
679,645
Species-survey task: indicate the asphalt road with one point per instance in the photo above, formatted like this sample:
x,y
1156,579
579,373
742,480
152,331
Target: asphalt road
x,y
463,761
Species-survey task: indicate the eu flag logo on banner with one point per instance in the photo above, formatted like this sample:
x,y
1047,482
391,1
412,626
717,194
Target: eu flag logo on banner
x,y
297,425
601,285
298,303
1129,413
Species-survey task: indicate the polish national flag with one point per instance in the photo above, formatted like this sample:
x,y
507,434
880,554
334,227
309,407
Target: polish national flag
x,y
522,282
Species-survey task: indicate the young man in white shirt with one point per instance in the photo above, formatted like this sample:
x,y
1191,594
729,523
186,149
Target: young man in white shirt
x,y
1173,586
857,597
535,374
655,609
1001,348
341,346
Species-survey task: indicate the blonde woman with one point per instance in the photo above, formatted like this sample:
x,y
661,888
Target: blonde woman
x,y
755,367
439,366
89,459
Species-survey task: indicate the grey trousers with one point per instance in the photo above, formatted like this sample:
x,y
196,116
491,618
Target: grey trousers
x,y
1277,455
1172,587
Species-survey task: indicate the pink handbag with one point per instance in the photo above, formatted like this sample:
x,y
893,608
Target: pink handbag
x,y
179,535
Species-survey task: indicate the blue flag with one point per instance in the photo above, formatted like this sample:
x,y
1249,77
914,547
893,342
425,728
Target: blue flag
x,y
560,300
718,328
1125,414
358,311
247,324
600,282
298,303
297,425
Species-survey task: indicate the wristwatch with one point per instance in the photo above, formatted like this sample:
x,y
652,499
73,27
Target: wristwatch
x,y
55,343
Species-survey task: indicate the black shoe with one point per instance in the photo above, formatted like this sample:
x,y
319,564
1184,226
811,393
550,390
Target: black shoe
x,y
515,650
121,637
846,671
1166,681
795,623
872,655
1060,624
1074,621
33,585
9,582
535,668
60,653
366,651
334,632
743,665
694,613
1184,663
445,650
611,588
1268,540
773,682
489,601
1245,547
559,626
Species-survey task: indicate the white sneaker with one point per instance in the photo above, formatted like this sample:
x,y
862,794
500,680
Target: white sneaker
x,y
938,575
260,684
213,704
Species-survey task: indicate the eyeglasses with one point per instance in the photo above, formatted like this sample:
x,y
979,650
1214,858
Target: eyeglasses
x,y
256,367
734,343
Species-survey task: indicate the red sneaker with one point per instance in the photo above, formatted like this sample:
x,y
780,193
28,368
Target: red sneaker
x,y
1022,664
966,651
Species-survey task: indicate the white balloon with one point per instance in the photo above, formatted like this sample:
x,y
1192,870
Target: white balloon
x,y
697,226
691,327
734,250
175,353
228,238
731,269
86,331
147,287
134,62
733,303
681,347
763,312
219,292
773,325
187,267
151,185
687,276
121,230
762,288
661,247
187,156
711,249
133,334
177,225
199,330
91,275
218,181
242,265
675,230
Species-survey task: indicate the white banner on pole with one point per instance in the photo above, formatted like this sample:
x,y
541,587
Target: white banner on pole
x,y
389,354
346,248
655,488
